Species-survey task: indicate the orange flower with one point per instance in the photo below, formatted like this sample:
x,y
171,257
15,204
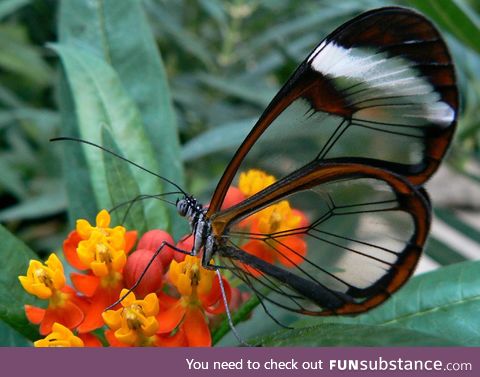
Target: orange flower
x,y
200,293
102,250
47,281
59,337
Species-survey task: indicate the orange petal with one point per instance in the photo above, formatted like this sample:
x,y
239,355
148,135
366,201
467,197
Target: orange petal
x,y
68,315
70,250
213,304
34,315
90,340
86,284
260,250
170,318
177,340
165,301
99,302
196,329
291,251
130,239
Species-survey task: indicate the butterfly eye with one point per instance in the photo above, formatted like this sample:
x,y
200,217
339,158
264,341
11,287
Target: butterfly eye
x,y
182,207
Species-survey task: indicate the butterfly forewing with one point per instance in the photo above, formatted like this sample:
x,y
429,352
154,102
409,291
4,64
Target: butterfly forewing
x,y
380,90
360,237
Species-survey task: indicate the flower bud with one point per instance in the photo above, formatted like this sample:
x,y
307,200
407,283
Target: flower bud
x,y
186,244
152,240
136,264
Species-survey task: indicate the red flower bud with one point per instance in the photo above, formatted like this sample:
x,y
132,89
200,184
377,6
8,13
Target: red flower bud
x,y
152,240
184,244
136,265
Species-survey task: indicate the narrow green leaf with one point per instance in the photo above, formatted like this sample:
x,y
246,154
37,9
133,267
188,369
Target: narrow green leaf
x,y
20,57
49,203
101,102
442,253
15,256
81,198
220,138
122,186
186,40
8,7
350,335
240,89
455,17
117,32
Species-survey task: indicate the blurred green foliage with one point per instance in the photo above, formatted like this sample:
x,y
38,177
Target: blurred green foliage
x,y
223,62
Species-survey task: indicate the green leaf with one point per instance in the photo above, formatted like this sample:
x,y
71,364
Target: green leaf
x,y
81,198
48,203
11,338
101,102
117,32
350,335
15,256
18,56
220,138
455,17
121,180
8,7
444,303
239,89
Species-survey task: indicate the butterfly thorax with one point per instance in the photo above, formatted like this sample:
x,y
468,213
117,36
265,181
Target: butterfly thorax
x,y
195,213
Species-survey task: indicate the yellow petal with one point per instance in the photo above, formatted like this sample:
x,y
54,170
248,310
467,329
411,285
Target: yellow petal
x,y
150,326
129,300
54,263
103,219
100,269
150,304
113,318
26,283
126,335
184,285
119,260
41,291
205,283
84,229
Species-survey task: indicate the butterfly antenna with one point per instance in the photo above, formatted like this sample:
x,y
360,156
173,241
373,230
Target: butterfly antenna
x,y
227,311
65,138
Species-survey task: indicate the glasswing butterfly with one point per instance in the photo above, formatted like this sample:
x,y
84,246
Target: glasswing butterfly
x,y
353,135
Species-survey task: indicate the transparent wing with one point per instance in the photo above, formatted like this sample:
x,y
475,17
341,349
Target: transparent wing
x,y
349,237
380,90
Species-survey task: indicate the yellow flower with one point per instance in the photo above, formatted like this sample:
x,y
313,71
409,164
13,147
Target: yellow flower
x,y
102,248
43,280
134,324
59,337
190,277
277,218
254,181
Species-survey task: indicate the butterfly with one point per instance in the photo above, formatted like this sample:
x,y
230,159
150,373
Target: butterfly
x,y
366,119
354,133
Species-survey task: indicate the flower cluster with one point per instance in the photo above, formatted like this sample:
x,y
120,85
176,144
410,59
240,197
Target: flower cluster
x,y
175,301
